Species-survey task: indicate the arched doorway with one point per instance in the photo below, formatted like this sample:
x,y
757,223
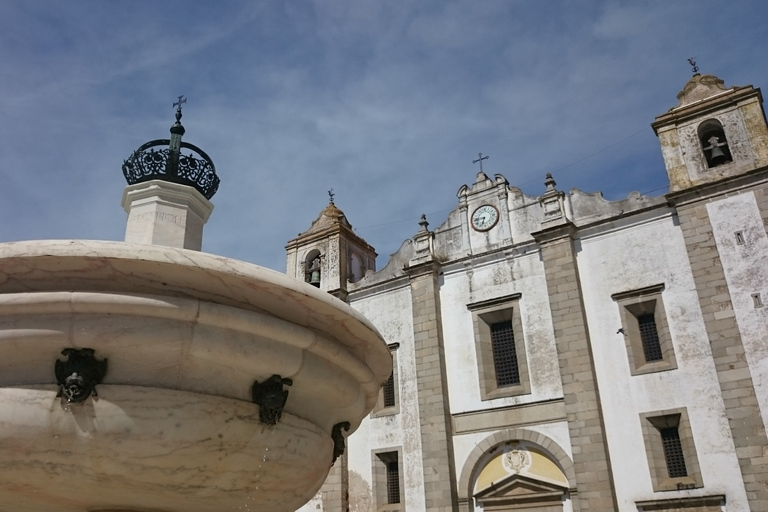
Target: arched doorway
x,y
519,477
519,470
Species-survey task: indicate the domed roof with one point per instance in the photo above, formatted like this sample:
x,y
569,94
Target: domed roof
x,y
700,87
331,216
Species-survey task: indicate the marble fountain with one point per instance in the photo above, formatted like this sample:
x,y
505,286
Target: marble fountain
x,y
185,381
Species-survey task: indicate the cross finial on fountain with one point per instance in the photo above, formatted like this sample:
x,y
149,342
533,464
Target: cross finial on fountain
x,y
178,105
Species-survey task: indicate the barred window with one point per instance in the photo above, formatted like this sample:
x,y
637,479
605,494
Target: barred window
x,y
500,347
645,330
389,391
504,355
673,452
387,481
649,337
393,482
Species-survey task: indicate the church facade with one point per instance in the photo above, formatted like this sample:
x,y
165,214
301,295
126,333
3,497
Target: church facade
x,y
568,353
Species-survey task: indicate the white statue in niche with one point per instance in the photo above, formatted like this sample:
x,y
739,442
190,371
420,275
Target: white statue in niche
x,y
516,459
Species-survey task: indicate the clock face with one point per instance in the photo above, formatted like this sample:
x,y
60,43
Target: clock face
x,y
485,217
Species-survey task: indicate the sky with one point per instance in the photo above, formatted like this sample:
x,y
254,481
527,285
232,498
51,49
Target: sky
x,y
385,102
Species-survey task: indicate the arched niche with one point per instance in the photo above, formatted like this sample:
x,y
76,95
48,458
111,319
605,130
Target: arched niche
x,y
714,143
517,469
356,267
313,268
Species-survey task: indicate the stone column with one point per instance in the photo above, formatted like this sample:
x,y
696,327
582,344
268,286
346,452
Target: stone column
x,y
591,460
730,362
434,411
165,213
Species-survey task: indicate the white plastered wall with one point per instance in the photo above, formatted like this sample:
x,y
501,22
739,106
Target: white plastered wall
x,y
391,313
629,257
524,275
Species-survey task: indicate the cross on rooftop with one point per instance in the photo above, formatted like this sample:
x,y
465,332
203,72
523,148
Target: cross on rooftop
x,y
480,159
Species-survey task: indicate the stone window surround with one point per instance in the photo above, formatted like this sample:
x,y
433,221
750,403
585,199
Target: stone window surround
x,y
379,458
651,422
379,409
713,503
632,304
484,313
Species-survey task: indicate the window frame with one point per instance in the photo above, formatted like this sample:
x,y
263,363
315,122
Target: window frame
x,y
632,305
652,424
380,460
484,314
383,410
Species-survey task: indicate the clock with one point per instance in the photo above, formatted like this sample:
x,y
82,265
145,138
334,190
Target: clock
x,y
485,217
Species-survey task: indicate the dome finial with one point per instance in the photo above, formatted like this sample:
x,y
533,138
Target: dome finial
x,y
177,129
330,195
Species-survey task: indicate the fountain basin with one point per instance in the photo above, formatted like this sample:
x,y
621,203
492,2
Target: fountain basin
x,y
173,426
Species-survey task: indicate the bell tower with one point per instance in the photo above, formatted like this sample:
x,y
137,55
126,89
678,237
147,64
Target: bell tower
x,y
329,255
713,133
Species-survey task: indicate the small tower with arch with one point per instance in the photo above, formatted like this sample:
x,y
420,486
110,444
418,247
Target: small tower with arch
x,y
714,133
329,255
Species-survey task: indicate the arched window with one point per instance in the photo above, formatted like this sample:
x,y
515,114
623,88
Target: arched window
x,y
714,143
356,268
312,268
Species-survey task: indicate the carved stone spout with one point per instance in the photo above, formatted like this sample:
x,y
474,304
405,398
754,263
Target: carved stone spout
x,y
271,398
78,375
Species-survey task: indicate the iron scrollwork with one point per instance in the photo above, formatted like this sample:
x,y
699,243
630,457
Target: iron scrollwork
x,y
271,397
148,163
338,440
78,375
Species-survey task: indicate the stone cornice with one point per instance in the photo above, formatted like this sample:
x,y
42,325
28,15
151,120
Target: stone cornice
x,y
422,269
707,191
555,233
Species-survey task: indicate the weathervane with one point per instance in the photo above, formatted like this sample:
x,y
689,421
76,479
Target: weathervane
x,y
692,62
181,101
331,194
480,159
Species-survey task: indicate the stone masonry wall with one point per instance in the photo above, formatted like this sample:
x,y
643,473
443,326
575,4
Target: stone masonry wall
x,y
434,413
594,481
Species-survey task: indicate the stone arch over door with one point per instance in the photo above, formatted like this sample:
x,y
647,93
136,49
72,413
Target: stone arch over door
x,y
471,465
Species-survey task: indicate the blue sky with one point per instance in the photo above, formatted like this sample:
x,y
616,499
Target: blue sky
x,y
386,102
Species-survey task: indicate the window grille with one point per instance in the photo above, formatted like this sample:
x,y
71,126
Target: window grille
x,y
673,452
389,391
393,482
504,355
649,337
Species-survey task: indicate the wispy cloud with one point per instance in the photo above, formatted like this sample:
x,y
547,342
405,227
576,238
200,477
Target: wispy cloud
x,y
386,102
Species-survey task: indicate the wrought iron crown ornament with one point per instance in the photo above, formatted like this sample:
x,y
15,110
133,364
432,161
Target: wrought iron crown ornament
x,y
169,164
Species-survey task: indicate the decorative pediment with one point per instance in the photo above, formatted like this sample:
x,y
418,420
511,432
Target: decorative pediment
x,y
519,490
